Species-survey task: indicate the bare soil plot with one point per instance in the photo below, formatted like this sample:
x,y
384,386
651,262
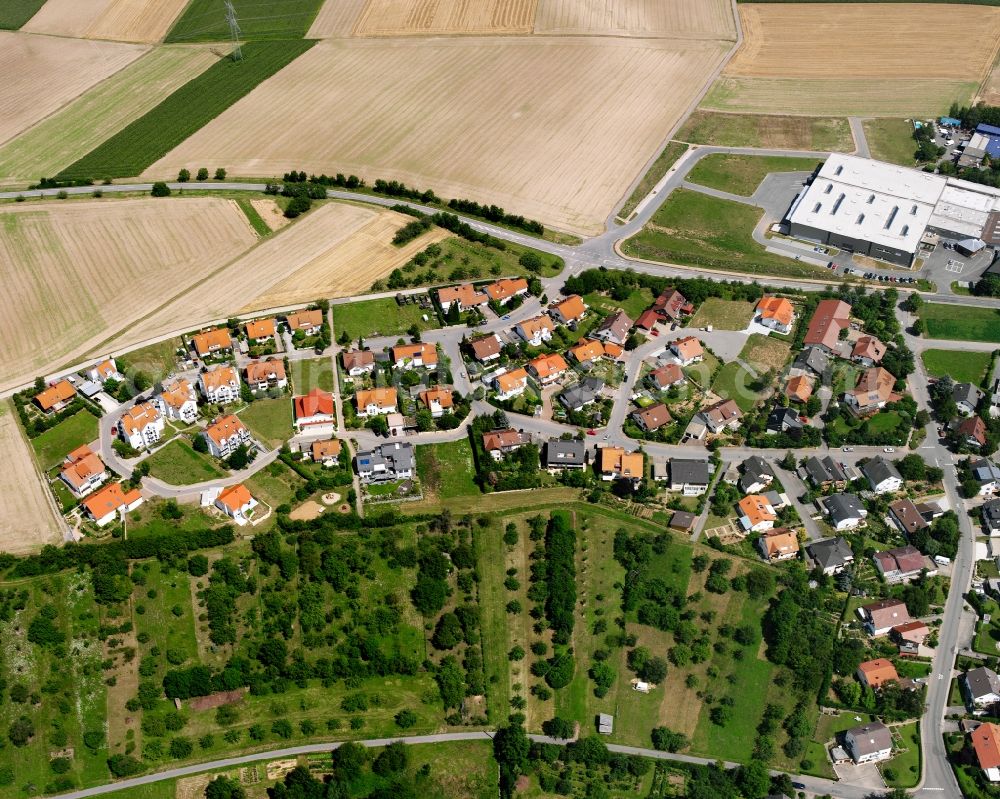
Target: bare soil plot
x,y
121,20
559,139
337,250
41,74
76,129
770,131
336,19
437,17
680,19
28,519
271,213
74,273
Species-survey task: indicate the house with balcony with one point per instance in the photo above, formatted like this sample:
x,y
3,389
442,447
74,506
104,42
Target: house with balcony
x,y
220,384
141,426
225,435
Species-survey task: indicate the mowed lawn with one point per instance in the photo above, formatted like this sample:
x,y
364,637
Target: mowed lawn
x,y
447,470
962,367
694,229
742,174
56,443
733,382
380,318
178,464
723,314
270,420
636,302
312,373
961,322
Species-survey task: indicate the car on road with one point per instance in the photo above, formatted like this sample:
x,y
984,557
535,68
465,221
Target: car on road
x,y
799,786
848,449
505,318
888,449
591,432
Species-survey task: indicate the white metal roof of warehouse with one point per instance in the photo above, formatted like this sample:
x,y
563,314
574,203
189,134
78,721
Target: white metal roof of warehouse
x,y
964,208
869,200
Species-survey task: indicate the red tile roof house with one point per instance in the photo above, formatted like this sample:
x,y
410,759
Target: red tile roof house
x,y
829,318
672,305
505,288
501,442
83,471
55,397
314,412
722,416
880,617
972,431
237,503
486,348
666,376
902,564
986,744
868,351
876,673
914,632
110,502
652,418
647,320
358,362
465,296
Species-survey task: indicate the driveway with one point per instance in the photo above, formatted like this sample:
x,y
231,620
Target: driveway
x,y
866,775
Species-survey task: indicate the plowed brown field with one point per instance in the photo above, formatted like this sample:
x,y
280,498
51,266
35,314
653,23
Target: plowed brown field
x,y
436,17
554,128
679,19
121,20
43,73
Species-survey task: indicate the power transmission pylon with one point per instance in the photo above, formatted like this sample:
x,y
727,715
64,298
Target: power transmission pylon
x,y
235,34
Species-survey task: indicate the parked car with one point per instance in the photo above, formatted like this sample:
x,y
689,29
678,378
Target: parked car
x,y
888,449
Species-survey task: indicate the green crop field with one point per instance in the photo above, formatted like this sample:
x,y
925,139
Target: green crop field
x,y
963,367
961,322
178,464
56,443
205,20
14,13
695,229
184,112
742,174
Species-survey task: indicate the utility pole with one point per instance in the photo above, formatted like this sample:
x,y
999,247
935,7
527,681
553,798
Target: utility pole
x,y
235,34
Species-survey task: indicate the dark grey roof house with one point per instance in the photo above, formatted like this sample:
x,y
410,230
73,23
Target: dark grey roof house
x,y
756,475
824,471
561,454
967,398
845,510
991,515
783,420
831,555
580,395
812,359
882,475
982,686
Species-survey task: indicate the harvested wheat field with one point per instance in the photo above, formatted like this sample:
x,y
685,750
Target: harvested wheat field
x,y
74,273
271,213
28,518
337,250
558,138
121,20
43,73
336,18
990,91
680,19
79,127
420,17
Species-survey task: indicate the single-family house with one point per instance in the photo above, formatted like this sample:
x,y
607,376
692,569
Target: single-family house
x,y
831,555
500,443
395,461
868,351
981,687
269,373
688,350
326,452
565,454
990,513
315,412
872,391
755,475
689,476
568,311
683,520
586,351
813,360
414,356
723,415
647,320
880,617
799,389
756,513
779,543
614,463
309,323
465,296
55,397
652,418
876,673
972,431
829,318
83,471
220,384
869,743
825,472
438,401
614,328
776,313
225,435
671,305
882,475
110,503
535,331
901,564
178,401
987,474
504,289
581,394
967,398
910,635
261,330
212,342
486,348
846,511
547,369
104,371
141,426
986,744
907,516
237,503
358,362
784,420
510,384
663,377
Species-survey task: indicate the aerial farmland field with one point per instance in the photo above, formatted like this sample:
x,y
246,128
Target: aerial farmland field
x,y
121,20
706,19
64,294
559,139
64,67
416,17
79,127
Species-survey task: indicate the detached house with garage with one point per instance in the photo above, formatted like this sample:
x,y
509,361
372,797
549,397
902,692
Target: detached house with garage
x,y
723,415
315,412
141,426
882,475
536,331
83,471
386,463
880,617
868,351
104,371
614,328
876,673
756,513
486,348
510,384
237,503
220,385
326,452
358,362
308,323
981,687
689,477
688,350
500,443
414,356
967,398
464,296
778,544
652,418
178,401
832,555
55,397
902,564
504,289
829,318
547,369
869,743
872,392
225,436
846,511
986,745
438,401
666,376
260,331
614,463
568,311
776,313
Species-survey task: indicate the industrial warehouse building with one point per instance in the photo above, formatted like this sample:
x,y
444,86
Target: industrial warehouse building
x,y
884,211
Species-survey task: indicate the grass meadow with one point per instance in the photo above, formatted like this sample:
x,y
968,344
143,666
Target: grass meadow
x,y
961,323
963,367
14,13
742,174
57,442
178,464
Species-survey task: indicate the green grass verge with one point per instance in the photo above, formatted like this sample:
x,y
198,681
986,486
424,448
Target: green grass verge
x,y
891,140
155,361
270,420
903,771
742,174
723,314
255,219
963,367
383,317
825,134
14,13
57,442
184,112
961,322
312,373
205,20
447,470
178,464
654,174
695,229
